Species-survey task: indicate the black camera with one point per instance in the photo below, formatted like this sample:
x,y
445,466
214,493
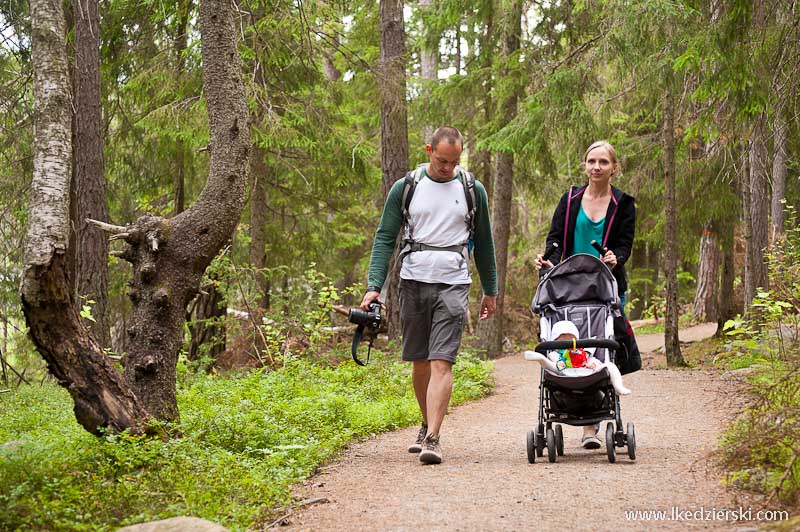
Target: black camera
x,y
369,318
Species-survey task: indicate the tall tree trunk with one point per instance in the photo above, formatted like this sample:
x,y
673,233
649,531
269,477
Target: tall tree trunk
x,y
102,397
91,252
705,300
179,43
482,160
726,309
672,344
778,175
429,64
492,331
757,208
166,277
394,129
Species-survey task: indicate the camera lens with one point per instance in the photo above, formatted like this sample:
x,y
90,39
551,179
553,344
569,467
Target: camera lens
x,y
358,316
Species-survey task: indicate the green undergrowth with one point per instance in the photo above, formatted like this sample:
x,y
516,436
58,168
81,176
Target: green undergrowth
x,y
245,440
761,449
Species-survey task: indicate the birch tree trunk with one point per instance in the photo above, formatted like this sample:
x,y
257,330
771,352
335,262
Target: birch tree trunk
x,y
91,253
101,396
168,256
394,130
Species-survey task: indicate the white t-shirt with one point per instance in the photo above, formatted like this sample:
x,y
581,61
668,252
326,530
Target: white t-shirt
x,y
437,217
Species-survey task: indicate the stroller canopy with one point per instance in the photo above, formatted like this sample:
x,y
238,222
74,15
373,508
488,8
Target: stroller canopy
x,y
581,278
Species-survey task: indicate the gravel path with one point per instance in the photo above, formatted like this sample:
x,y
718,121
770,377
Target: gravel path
x,y
485,482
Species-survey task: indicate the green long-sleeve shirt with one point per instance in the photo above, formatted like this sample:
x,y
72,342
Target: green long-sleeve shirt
x,y
392,223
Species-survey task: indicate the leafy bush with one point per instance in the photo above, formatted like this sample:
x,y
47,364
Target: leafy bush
x,y
246,439
762,448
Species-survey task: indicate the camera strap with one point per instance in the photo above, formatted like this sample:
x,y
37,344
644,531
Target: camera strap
x,y
359,334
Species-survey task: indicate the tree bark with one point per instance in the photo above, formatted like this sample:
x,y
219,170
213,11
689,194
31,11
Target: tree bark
x,y
672,344
91,252
705,300
429,64
779,173
726,307
179,39
482,166
394,129
757,208
492,331
170,256
101,396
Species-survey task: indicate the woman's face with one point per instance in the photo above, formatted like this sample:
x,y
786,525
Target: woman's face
x,y
599,165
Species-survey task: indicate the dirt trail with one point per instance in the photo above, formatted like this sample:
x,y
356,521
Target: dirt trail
x,y
485,482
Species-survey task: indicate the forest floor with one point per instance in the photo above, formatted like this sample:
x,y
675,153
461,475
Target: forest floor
x,y
486,483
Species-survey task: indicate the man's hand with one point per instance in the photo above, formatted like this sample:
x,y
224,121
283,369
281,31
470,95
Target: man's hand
x,y
369,297
488,307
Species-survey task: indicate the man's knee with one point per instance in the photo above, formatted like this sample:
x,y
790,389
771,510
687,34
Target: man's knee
x,y
441,368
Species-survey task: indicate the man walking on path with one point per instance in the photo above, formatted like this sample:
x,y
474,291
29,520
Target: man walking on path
x,y
443,213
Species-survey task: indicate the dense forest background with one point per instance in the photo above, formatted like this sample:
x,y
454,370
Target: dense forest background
x,y
704,87
699,98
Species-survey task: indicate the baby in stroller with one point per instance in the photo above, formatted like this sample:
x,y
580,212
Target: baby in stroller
x,y
576,361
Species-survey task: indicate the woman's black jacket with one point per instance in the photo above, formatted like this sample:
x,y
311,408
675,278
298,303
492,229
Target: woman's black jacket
x,y
618,230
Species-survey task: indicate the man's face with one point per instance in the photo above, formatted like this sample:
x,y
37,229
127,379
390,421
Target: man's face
x,y
444,160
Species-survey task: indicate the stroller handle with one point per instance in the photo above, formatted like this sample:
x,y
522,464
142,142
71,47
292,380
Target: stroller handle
x,y
544,347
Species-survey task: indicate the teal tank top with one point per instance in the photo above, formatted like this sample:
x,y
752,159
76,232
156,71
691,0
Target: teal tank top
x,y
585,231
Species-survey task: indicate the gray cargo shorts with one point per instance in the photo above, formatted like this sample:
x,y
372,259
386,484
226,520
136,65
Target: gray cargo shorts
x,y
432,317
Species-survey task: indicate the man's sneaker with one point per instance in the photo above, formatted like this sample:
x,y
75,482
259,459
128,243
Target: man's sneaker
x,y
431,451
417,445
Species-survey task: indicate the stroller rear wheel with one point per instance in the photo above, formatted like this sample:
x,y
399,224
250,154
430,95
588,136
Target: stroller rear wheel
x,y
551,445
610,448
530,441
559,440
631,439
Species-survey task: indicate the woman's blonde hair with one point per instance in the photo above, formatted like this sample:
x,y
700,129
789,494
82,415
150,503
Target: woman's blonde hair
x,y
611,151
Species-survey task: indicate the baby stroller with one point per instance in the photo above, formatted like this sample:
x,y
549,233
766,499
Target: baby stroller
x,y
580,289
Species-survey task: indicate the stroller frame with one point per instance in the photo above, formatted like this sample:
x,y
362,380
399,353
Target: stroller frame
x,y
555,390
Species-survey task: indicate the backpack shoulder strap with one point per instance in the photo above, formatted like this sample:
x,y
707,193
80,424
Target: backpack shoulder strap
x,y
411,180
468,180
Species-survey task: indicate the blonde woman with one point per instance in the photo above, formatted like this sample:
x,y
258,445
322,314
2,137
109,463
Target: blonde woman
x,y
595,211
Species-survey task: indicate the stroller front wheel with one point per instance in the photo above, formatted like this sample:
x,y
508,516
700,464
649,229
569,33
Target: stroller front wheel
x,y
610,448
551,445
631,441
